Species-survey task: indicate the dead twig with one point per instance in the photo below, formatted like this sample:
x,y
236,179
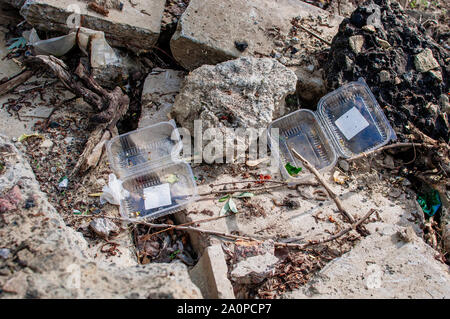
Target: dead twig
x,y
314,35
396,145
322,181
255,189
15,81
111,105
246,238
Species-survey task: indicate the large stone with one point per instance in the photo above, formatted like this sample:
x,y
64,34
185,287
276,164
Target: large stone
x,y
158,95
391,263
246,92
135,27
210,274
48,259
208,30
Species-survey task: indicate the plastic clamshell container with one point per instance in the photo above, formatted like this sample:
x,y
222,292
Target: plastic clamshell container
x,y
348,122
147,161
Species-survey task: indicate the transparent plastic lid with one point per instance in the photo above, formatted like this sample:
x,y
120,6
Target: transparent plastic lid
x,y
150,146
158,192
354,120
147,161
302,131
348,122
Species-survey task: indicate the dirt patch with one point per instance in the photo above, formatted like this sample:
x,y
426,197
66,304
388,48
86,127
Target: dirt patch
x,y
380,43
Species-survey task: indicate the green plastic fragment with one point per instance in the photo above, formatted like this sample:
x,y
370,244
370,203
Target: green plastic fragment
x,y
292,170
430,202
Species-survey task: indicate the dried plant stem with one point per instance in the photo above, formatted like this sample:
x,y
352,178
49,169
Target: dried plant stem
x,y
322,181
247,238
396,145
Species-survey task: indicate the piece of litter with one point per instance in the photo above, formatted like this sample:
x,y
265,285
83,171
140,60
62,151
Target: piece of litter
x,y
171,178
338,178
96,194
292,170
157,196
25,136
114,192
63,182
256,162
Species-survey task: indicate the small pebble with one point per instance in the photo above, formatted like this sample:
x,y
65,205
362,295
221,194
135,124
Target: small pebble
x,y
4,253
344,165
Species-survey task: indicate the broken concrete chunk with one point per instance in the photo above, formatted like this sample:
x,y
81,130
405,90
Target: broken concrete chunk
x,y
384,76
383,43
391,263
136,27
356,43
158,95
246,249
246,92
255,269
369,28
5,253
210,274
104,227
437,75
310,86
425,61
209,31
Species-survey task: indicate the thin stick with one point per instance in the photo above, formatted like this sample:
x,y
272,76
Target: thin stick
x,y
322,181
396,145
255,189
314,35
345,231
247,238
15,81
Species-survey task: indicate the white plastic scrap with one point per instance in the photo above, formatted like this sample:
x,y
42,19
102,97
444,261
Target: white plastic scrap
x,y
114,192
54,46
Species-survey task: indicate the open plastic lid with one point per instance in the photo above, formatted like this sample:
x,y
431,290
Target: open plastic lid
x,y
148,147
348,122
354,120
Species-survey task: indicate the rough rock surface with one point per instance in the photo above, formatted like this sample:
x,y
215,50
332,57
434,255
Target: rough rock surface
x,y
210,274
135,27
158,95
208,30
391,263
254,269
246,92
418,66
47,259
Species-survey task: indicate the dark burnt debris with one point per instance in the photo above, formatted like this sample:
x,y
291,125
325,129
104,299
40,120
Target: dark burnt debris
x,y
391,41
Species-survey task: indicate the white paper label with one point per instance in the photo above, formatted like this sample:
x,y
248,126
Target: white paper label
x,y
157,196
351,123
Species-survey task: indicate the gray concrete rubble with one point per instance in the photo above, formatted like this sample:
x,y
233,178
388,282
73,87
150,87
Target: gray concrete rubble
x,y
135,27
158,95
210,274
48,259
243,93
391,263
207,31
254,270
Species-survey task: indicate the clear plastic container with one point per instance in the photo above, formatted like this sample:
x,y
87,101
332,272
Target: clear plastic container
x,y
348,122
147,161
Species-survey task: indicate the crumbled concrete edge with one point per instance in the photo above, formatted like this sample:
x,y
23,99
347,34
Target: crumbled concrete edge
x,y
52,260
210,274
